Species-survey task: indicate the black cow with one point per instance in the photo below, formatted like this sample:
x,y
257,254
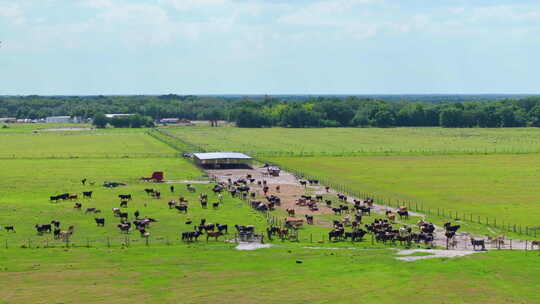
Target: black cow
x,y
100,221
43,228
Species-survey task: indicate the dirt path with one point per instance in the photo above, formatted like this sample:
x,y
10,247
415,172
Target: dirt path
x,y
291,190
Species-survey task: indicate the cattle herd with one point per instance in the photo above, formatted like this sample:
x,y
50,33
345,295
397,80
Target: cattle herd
x,y
349,227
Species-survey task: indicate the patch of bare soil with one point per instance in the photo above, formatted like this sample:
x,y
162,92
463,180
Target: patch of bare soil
x,y
252,246
432,254
291,190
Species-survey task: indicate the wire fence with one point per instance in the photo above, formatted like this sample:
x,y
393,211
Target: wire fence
x,y
414,206
419,207
89,155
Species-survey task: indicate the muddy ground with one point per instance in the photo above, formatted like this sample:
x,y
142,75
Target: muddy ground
x,y
291,190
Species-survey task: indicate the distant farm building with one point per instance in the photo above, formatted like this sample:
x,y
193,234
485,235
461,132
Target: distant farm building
x,y
222,160
169,120
58,119
117,115
8,120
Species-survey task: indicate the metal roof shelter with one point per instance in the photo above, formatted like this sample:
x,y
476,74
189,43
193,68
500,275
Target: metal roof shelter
x,y
222,159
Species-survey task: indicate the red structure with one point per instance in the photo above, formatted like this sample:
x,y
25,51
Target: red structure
x,y
156,177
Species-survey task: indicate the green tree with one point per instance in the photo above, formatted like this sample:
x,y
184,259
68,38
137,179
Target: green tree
x,y
100,121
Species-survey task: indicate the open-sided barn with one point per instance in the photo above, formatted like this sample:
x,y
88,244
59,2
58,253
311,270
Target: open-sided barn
x,y
222,159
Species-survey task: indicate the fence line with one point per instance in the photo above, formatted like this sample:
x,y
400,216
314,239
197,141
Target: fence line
x,y
420,208
412,205
91,156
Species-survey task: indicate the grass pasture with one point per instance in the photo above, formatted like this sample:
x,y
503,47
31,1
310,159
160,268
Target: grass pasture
x,y
494,186
217,273
344,141
99,143
171,271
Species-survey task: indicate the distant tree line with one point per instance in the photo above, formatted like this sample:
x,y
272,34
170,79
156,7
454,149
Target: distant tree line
x,y
132,121
266,111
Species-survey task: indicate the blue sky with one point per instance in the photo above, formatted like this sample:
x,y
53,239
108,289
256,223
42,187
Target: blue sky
x,y
269,47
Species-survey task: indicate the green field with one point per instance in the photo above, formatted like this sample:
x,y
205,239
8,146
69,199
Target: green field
x,y
122,269
494,186
362,140
100,143
217,273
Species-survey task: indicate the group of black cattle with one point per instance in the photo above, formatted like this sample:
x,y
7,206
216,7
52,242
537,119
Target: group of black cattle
x,y
383,231
212,231
69,196
48,228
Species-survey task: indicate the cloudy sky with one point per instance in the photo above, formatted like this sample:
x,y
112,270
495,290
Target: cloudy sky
x,y
269,46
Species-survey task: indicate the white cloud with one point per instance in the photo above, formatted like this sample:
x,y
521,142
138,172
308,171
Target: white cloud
x,y
11,13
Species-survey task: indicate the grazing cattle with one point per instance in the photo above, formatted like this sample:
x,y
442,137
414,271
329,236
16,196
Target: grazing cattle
x,y
83,181
207,227
309,219
190,188
123,204
125,196
9,228
90,210
449,227
328,203
290,212
390,215
100,221
204,204
244,229
116,212
43,228
319,198
403,214
356,235
64,235
77,206
535,243
136,214
73,196
171,204
190,236
222,228
123,215
87,194
124,227
181,208
478,243
54,198
278,188
303,183
149,191
337,211
327,188
214,234
215,205
63,196
157,194
344,208
55,223
335,234
171,188
56,233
